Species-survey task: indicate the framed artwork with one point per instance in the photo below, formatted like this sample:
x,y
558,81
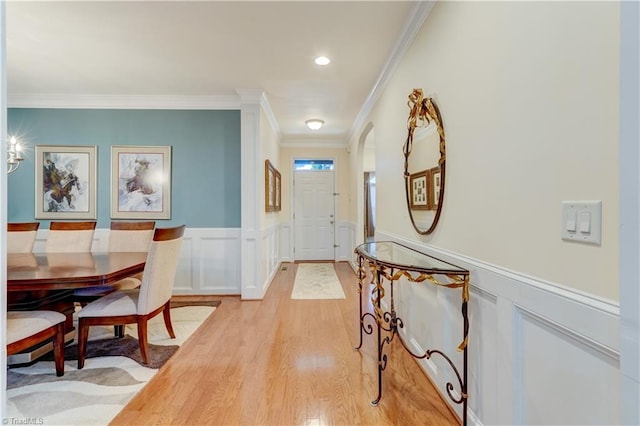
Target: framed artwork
x,y
272,188
277,198
419,184
65,182
435,187
140,182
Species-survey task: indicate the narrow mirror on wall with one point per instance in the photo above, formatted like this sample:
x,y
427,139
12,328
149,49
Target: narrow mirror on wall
x,y
424,152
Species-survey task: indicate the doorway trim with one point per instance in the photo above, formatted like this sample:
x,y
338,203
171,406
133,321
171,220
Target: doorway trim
x,y
359,231
336,200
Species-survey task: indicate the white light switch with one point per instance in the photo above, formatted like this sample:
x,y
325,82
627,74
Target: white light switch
x,y
585,222
582,221
571,221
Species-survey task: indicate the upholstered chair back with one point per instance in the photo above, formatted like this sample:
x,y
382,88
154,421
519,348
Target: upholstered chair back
x,y
131,236
21,237
70,237
160,269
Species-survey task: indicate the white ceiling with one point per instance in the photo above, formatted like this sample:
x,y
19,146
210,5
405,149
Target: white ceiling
x,y
212,50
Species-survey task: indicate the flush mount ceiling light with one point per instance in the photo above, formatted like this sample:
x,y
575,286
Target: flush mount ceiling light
x,y
322,60
314,123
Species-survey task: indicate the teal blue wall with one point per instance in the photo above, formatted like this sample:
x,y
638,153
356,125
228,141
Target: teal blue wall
x,y
205,190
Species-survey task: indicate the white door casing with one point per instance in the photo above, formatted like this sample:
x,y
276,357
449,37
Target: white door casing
x,y
314,215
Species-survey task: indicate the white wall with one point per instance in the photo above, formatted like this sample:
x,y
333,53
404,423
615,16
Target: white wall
x,y
529,96
270,221
3,206
630,211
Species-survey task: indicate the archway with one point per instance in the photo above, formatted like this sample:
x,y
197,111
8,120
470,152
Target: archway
x,y
365,142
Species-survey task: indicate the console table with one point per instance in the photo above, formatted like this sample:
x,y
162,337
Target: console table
x,y
391,261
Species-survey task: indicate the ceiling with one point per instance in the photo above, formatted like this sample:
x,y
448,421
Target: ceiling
x,y
211,51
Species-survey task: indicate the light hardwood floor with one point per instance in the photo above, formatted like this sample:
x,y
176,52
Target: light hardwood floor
x,y
286,362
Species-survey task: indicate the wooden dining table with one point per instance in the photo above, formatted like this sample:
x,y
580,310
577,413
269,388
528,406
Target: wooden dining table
x,y
68,271
47,280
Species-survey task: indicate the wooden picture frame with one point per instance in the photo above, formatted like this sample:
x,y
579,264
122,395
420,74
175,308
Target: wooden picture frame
x,y
278,195
272,188
65,182
434,187
140,182
419,184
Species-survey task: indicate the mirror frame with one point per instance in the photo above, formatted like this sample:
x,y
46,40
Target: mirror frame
x,y
423,111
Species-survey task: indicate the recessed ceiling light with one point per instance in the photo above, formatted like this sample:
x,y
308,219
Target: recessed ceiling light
x,y
322,60
314,123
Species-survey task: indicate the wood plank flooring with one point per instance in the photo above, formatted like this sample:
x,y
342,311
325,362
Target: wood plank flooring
x,y
286,362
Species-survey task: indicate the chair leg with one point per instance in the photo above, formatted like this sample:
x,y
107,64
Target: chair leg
x,y
166,313
83,336
142,338
58,349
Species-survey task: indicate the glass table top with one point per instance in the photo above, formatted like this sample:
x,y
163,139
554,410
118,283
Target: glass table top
x,y
396,255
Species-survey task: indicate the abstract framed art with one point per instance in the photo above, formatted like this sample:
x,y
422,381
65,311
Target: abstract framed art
x,y
140,182
65,186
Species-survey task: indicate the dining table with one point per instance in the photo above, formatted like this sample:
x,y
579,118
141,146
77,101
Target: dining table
x,y
39,281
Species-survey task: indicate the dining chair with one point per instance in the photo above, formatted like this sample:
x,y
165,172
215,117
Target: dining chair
x,y
123,237
21,236
70,237
26,329
137,306
131,236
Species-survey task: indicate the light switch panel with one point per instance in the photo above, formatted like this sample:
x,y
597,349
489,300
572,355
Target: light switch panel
x,y
582,221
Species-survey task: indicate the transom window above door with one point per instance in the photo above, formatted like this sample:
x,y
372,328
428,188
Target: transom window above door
x,y
301,165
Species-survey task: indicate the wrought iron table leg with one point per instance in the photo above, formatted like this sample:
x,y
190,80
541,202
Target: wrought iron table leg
x,y
380,342
360,279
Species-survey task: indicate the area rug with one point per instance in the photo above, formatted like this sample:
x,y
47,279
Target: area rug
x,y
317,281
112,374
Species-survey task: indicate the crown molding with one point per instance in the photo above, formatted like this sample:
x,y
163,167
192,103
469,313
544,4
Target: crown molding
x,y
250,96
411,29
268,112
122,101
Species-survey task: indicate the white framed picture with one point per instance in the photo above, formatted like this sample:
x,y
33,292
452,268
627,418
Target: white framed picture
x,y
140,182
65,182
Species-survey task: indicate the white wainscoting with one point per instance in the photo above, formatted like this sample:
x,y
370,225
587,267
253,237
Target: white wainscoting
x,y
286,242
271,242
209,260
345,235
539,353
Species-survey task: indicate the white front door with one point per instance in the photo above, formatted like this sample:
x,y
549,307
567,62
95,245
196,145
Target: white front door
x,y
314,215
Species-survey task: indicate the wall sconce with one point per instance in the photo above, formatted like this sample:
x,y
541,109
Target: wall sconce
x,y
314,123
14,155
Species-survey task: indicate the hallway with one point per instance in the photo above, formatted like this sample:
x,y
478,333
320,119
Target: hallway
x,y
286,362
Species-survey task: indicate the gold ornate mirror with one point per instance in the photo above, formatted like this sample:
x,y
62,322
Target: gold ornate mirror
x,y
424,163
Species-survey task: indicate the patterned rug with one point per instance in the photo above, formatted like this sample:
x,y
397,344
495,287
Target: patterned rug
x,y
95,394
317,281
